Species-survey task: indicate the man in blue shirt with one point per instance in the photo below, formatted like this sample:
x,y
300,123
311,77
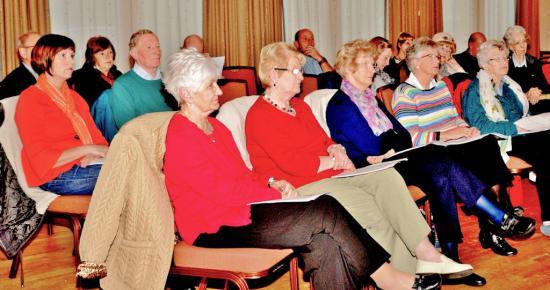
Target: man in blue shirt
x,y
304,42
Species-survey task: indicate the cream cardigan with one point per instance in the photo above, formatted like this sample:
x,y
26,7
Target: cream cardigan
x,y
130,223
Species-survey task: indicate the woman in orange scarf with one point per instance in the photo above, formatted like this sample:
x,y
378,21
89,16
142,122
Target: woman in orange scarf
x,y
62,147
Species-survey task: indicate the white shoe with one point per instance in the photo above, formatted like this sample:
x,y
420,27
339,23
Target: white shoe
x,y
447,266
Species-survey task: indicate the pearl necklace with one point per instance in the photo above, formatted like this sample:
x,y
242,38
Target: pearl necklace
x,y
288,109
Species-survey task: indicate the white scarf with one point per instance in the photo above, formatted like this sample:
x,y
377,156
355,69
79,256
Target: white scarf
x,y
493,107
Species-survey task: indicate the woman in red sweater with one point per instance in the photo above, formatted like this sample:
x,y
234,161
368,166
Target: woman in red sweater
x,y
211,190
61,143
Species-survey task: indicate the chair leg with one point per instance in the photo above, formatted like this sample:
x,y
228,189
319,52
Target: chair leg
x,y
294,274
202,285
75,222
15,265
21,266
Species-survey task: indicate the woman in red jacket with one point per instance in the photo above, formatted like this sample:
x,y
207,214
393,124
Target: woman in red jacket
x,y
211,190
61,144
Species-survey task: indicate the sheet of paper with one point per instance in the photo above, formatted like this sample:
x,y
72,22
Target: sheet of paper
x,y
370,168
535,123
297,199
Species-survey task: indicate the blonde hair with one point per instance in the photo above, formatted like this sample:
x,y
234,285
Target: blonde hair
x,y
274,55
347,55
134,39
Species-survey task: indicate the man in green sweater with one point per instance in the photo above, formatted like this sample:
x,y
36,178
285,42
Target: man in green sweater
x,y
138,91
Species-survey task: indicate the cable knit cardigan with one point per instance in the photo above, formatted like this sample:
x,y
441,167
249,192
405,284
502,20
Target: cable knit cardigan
x,y
130,223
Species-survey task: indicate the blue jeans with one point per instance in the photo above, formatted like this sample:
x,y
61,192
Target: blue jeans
x,y
78,180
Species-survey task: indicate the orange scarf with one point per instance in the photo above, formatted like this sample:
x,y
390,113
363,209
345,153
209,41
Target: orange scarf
x,y
65,102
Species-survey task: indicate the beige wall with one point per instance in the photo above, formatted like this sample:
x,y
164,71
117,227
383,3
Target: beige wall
x,y
544,10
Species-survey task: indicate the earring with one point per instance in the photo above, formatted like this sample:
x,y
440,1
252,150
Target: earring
x,y
274,84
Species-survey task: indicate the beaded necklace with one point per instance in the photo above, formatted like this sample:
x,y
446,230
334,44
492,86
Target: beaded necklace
x,y
285,109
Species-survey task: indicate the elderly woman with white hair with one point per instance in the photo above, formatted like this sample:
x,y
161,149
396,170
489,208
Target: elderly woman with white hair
x,y
526,69
494,102
212,190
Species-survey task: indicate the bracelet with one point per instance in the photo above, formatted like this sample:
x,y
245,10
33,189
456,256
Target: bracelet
x,y
270,181
322,60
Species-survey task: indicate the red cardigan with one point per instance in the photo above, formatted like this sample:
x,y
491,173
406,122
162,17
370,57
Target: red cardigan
x,y
46,132
208,183
284,146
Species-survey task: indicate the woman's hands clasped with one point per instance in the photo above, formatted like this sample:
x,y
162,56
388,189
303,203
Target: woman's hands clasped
x,y
93,153
340,158
285,188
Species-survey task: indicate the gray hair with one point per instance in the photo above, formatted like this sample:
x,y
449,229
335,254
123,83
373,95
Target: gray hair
x,y
483,53
510,31
416,47
188,69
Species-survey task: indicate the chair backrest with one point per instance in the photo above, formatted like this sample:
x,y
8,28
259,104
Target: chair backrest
x,y
232,89
233,115
385,94
546,71
309,84
318,102
247,73
11,142
458,95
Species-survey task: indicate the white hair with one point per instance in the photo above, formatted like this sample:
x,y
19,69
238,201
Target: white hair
x,y
483,53
510,31
188,69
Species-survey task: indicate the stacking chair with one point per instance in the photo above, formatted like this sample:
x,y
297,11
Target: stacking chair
x,y
232,264
546,71
385,94
247,73
231,89
309,84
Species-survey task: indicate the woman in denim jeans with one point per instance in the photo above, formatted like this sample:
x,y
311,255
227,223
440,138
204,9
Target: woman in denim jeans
x,y
62,147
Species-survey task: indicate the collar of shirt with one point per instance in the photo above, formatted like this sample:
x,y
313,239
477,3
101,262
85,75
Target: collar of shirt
x,y
140,71
29,68
516,61
412,80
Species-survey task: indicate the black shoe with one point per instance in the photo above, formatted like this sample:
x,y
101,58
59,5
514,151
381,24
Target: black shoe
x,y
518,210
496,243
470,280
427,282
517,227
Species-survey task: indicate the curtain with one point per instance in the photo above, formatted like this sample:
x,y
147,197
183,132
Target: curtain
x,y
418,17
171,20
19,17
527,15
238,29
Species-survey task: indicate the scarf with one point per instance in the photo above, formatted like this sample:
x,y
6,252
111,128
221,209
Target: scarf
x,y
489,101
65,102
367,104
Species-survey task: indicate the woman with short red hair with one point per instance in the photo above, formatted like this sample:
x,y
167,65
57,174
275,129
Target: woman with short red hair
x,y
61,144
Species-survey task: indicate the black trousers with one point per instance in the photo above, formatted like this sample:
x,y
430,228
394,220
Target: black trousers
x,y
535,149
446,182
336,250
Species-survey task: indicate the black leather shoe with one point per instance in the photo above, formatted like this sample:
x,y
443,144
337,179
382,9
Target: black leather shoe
x,y
517,227
470,280
427,282
497,243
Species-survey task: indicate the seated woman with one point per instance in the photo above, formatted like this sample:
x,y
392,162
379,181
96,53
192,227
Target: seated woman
x,y
526,69
424,107
285,142
446,47
60,140
370,134
397,68
384,52
98,72
211,190
493,102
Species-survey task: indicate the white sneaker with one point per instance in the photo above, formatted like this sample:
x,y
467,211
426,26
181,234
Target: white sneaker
x,y
447,266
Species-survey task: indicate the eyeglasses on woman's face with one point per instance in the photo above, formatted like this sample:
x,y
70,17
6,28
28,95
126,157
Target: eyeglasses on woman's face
x,y
499,59
294,71
430,56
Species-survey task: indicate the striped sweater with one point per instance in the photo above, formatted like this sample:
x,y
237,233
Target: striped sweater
x,y
424,112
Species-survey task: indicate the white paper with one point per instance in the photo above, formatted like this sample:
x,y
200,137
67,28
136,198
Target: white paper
x,y
535,123
98,161
305,198
370,168
450,142
219,61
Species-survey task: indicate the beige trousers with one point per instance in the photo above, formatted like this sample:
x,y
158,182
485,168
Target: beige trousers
x,y
381,203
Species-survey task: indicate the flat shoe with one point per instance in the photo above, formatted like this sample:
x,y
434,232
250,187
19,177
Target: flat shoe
x,y
470,280
446,266
427,282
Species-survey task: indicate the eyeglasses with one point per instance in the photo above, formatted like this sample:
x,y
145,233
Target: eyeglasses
x,y
295,71
432,56
499,59
373,64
